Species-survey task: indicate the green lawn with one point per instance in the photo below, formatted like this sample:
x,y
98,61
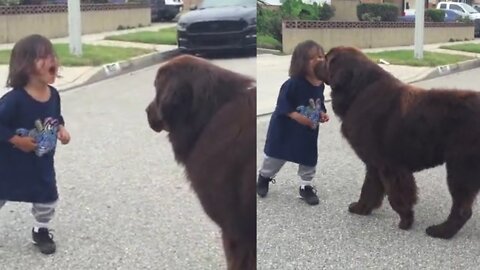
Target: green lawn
x,y
268,42
166,36
405,57
5,57
92,55
467,47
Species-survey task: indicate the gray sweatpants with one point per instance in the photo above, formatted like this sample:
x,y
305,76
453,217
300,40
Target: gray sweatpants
x,y
271,166
42,212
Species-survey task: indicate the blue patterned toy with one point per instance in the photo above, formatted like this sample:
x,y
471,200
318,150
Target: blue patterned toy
x,y
45,137
312,111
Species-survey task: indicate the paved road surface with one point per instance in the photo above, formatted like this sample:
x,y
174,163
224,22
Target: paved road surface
x,y
125,203
292,235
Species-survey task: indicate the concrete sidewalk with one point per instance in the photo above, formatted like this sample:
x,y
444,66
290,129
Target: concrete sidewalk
x,y
74,76
426,47
273,71
92,38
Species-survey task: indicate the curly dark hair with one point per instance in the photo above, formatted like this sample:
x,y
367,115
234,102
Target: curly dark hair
x,y
301,56
23,57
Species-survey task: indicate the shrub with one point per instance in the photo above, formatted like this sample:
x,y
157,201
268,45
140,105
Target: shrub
x,y
269,23
326,12
465,20
291,9
308,12
369,17
386,12
32,2
298,10
268,42
434,15
9,2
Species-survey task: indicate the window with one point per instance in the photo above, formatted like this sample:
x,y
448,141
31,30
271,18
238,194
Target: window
x,y
443,6
457,8
468,9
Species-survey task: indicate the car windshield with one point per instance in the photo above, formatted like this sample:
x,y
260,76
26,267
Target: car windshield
x,y
227,3
469,9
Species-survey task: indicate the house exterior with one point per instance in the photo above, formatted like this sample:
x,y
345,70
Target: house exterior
x,y
188,3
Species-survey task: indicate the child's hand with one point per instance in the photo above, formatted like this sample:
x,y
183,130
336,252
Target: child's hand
x,y
324,117
302,120
307,122
63,135
26,144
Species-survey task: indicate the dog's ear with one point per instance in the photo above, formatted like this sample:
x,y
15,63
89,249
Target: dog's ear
x,y
176,101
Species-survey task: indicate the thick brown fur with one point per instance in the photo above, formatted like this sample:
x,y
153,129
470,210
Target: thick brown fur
x,y
398,129
210,114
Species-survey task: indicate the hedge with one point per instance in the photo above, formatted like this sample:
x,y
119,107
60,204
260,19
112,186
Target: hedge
x,y
434,15
381,12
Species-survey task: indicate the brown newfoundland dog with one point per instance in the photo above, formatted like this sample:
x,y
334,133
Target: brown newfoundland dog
x,y
397,129
210,115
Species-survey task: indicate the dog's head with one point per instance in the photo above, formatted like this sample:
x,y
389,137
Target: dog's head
x,y
343,66
189,91
182,86
348,71
173,98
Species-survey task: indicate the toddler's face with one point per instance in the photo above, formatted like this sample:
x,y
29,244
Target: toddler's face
x,y
315,56
46,69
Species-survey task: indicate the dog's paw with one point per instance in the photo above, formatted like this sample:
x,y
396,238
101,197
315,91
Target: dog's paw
x,y
406,221
440,231
359,209
405,224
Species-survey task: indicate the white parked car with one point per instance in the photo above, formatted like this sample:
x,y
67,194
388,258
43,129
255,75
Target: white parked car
x,y
464,10
461,8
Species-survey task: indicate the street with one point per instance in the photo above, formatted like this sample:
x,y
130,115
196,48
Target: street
x,y
463,80
124,202
293,235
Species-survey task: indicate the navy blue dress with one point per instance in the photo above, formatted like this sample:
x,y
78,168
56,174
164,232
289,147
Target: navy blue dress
x,y
28,177
286,138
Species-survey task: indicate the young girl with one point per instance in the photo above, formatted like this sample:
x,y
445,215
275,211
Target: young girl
x,y
292,136
30,124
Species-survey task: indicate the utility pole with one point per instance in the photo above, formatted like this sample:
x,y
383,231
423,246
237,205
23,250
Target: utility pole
x,y
419,28
75,27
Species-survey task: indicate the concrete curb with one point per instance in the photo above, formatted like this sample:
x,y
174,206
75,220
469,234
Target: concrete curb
x,y
269,51
449,69
119,68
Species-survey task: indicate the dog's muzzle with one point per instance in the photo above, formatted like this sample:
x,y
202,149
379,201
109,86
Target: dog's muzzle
x,y
153,118
321,72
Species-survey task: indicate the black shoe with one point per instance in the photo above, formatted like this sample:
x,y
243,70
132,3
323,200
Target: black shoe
x,y
43,239
262,185
309,194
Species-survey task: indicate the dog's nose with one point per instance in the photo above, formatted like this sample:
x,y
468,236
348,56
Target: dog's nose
x,y
153,120
149,108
